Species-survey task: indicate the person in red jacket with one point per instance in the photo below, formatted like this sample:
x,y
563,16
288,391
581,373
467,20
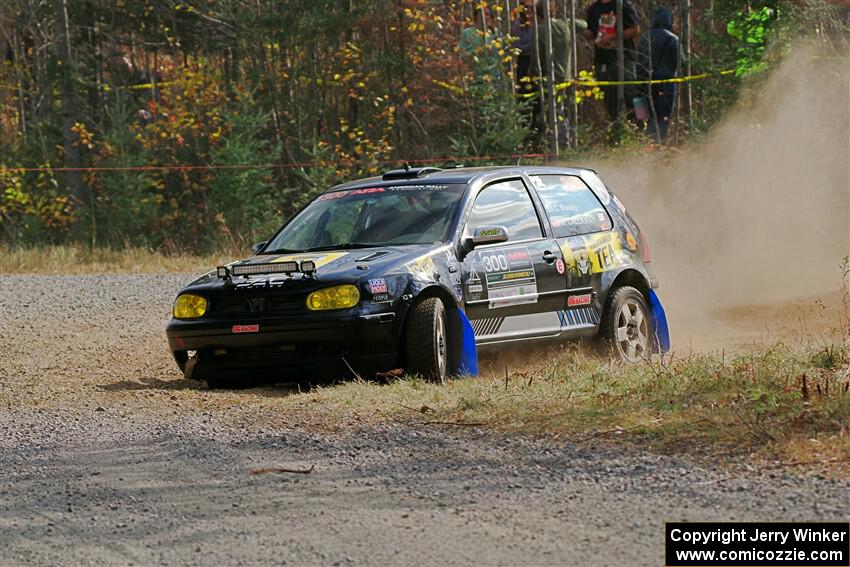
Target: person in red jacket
x,y
602,31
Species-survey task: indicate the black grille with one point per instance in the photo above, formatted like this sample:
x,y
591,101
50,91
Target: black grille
x,y
270,304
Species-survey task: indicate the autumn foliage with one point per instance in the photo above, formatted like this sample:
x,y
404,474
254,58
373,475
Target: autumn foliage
x,y
191,124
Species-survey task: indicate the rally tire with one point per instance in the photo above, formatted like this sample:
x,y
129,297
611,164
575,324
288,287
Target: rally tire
x,y
626,329
427,341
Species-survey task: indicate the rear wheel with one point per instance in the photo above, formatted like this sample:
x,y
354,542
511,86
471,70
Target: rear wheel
x,y
426,341
625,325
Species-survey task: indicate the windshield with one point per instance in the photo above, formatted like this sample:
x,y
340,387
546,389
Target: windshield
x,y
374,216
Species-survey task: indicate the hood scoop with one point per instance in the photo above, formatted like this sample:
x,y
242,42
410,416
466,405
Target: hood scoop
x,y
373,256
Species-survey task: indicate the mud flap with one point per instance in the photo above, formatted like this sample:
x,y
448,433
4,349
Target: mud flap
x,y
468,359
659,323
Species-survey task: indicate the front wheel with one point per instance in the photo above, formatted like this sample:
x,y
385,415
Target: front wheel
x,y
625,325
426,341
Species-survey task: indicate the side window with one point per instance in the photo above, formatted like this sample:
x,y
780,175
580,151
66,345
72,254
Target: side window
x,y
571,205
508,204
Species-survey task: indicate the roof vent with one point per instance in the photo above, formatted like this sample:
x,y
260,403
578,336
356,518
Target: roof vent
x,y
409,172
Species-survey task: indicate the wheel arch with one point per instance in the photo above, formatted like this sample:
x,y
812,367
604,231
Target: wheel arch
x,y
631,277
453,320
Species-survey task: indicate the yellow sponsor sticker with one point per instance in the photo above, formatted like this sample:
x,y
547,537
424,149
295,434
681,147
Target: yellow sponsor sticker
x,y
424,265
604,251
593,254
320,258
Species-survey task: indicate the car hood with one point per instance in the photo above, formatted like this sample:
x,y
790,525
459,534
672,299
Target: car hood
x,y
335,266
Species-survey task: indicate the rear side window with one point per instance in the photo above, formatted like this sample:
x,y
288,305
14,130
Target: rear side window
x,y
571,206
508,204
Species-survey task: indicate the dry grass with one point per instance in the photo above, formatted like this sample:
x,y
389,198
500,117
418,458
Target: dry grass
x,y
783,406
77,259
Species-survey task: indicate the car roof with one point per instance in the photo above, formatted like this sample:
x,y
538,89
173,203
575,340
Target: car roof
x,y
460,175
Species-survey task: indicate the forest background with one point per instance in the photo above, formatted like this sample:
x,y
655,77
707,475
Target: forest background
x,y
203,125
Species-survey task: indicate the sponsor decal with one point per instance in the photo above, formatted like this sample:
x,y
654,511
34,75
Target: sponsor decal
x,y
381,298
510,277
631,243
513,295
451,263
519,258
594,254
378,286
458,292
245,329
351,193
404,188
488,232
320,258
579,300
423,267
559,265
604,251
474,285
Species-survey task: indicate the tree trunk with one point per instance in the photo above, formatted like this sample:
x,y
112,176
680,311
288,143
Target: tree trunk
x,y
686,33
574,89
621,69
67,79
550,79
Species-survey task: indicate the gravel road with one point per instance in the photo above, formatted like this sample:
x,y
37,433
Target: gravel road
x,y
110,457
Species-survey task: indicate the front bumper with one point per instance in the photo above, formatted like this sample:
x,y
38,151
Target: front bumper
x,y
287,347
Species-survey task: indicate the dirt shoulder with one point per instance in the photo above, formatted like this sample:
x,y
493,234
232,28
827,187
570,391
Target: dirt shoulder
x,y
114,458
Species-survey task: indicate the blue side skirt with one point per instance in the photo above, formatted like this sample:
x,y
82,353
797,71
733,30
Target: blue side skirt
x,y
659,323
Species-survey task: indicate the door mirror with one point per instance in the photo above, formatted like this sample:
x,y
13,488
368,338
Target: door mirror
x,y
255,249
483,235
489,235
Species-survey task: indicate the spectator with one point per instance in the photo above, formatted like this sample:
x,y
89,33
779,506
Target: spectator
x,y
658,58
562,60
602,31
477,47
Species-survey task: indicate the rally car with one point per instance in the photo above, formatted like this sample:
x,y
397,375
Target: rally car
x,y
420,268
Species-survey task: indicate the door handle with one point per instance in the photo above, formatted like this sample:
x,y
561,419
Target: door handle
x,y
549,257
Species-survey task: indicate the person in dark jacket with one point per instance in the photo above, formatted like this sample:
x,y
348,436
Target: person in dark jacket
x,y
658,58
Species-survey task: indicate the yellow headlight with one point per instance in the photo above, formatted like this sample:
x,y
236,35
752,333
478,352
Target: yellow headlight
x,y
188,306
336,297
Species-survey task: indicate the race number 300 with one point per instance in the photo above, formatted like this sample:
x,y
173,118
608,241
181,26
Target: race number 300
x,y
495,262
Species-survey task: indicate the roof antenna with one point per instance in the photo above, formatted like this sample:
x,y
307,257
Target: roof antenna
x,y
518,159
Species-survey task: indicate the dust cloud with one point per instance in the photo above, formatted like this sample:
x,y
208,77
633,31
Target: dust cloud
x,y
756,215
